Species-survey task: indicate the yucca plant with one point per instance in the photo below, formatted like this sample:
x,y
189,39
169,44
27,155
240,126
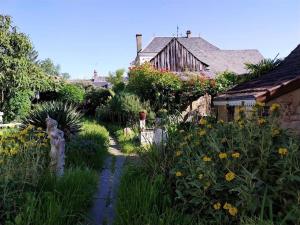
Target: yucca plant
x,y
67,116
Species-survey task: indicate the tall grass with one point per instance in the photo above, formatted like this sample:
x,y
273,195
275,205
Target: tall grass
x,y
89,148
142,200
59,201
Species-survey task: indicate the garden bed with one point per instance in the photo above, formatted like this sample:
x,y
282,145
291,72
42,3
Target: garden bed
x,y
243,172
30,195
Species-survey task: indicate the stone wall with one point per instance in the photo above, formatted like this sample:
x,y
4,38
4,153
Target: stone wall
x,y
290,110
201,107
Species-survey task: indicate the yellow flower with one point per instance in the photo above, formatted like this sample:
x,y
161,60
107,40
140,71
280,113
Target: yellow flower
x,y
203,121
233,211
241,124
222,155
275,132
40,129
235,155
200,176
261,121
209,126
260,104
274,107
217,205
227,206
178,174
230,176
282,151
202,132
178,153
221,121
206,159
241,110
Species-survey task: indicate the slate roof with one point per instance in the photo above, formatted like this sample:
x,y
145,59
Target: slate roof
x,y
192,43
284,78
217,59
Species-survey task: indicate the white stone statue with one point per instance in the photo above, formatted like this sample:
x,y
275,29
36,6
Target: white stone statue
x,y
57,152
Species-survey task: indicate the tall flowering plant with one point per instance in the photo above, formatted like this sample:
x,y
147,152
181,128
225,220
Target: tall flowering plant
x,y
225,172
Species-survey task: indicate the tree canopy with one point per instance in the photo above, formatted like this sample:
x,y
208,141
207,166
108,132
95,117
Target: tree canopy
x,y
20,76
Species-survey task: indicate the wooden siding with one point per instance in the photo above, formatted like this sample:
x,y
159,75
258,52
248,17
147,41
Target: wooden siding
x,y
175,57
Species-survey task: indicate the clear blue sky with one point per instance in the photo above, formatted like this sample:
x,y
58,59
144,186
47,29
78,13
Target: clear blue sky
x,y
83,35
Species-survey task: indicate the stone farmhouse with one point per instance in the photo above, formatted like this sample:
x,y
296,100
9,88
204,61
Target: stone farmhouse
x,y
281,85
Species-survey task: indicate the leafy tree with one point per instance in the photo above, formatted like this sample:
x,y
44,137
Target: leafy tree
x,y
20,77
65,75
49,67
117,80
97,97
116,77
33,56
225,81
71,93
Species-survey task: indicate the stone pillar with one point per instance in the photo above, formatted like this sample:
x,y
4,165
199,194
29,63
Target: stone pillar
x,y
142,124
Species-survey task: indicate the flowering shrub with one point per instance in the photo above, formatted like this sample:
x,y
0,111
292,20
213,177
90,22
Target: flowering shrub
x,y
225,172
166,90
23,158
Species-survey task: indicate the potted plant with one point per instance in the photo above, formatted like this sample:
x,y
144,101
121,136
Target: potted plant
x,y
143,114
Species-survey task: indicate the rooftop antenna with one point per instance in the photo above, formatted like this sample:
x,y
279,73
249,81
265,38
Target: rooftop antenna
x,y
177,30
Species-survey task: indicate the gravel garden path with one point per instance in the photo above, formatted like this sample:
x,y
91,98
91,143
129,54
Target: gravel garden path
x,y
103,209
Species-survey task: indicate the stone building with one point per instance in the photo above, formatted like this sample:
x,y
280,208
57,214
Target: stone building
x,y
281,85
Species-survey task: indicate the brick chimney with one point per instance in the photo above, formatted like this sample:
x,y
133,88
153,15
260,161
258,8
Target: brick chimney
x,y
95,75
138,43
188,34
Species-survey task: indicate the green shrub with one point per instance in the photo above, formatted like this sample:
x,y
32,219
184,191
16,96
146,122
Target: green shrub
x,y
226,80
96,97
246,168
71,94
158,87
167,90
123,108
89,148
67,116
18,105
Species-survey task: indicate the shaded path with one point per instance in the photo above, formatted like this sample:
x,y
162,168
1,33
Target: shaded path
x,y
103,210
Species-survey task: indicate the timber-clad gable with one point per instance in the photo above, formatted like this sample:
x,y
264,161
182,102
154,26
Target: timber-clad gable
x,y
193,54
175,57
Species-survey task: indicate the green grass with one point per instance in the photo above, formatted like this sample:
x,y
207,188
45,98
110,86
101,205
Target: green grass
x,y
129,143
59,201
89,148
142,200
